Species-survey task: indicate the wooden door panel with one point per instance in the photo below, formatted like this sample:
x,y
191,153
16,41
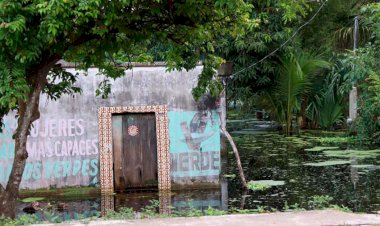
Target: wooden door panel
x,y
117,143
135,155
149,157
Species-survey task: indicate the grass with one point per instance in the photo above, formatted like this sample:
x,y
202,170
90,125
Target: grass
x,y
67,193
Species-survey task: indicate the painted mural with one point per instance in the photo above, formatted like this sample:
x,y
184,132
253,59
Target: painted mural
x,y
60,153
194,144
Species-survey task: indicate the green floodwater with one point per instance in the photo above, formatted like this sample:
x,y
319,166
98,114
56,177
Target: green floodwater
x,y
309,172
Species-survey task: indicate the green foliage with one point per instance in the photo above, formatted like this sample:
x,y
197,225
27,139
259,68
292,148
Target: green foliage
x,y
328,100
60,82
50,217
293,207
122,213
328,163
319,201
341,208
13,86
214,212
191,212
332,29
262,185
293,84
318,148
325,107
371,17
272,23
150,210
234,210
336,140
24,219
293,9
257,186
362,70
368,121
33,199
207,80
357,154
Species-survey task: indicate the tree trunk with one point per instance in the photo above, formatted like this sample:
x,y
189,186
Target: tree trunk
x,y
237,157
7,204
303,124
28,112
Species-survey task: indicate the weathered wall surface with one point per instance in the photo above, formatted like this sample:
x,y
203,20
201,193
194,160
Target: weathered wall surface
x,y
63,145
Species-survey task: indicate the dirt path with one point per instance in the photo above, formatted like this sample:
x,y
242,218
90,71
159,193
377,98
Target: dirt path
x,y
304,218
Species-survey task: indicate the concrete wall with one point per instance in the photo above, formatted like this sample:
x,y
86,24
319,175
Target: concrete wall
x,y
63,145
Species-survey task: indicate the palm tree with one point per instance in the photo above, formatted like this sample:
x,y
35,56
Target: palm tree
x,y
292,86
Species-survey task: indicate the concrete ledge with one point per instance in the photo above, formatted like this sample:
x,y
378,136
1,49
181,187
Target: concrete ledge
x,y
66,64
302,218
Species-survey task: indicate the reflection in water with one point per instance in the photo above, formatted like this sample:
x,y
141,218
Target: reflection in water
x,y
107,204
354,172
243,198
75,208
165,201
175,200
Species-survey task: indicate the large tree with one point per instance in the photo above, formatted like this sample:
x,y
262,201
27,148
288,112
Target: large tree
x,y
36,34
275,22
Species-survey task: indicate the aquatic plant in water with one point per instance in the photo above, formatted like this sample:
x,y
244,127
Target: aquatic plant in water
x,y
328,163
319,148
32,199
261,185
359,154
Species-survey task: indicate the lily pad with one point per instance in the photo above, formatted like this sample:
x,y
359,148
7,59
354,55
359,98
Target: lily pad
x,y
328,163
239,120
365,166
33,199
360,154
247,132
320,148
232,176
269,183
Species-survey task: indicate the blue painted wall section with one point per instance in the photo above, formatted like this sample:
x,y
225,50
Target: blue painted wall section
x,y
194,144
60,154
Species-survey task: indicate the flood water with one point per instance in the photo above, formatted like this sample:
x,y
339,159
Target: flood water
x,y
350,178
300,177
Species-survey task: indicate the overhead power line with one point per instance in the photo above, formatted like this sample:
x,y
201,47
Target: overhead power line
x,y
286,42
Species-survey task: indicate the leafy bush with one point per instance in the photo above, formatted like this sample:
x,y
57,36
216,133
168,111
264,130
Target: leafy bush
x,y
24,219
368,122
319,201
257,186
123,213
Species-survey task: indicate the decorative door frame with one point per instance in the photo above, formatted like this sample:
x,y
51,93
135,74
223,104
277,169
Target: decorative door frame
x,y
106,150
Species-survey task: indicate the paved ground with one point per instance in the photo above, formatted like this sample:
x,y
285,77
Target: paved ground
x,y
305,218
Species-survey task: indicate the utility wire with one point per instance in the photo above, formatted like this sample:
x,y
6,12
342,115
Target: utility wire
x,y
286,42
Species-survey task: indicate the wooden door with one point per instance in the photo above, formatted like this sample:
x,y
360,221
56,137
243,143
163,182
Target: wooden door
x,y
135,151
